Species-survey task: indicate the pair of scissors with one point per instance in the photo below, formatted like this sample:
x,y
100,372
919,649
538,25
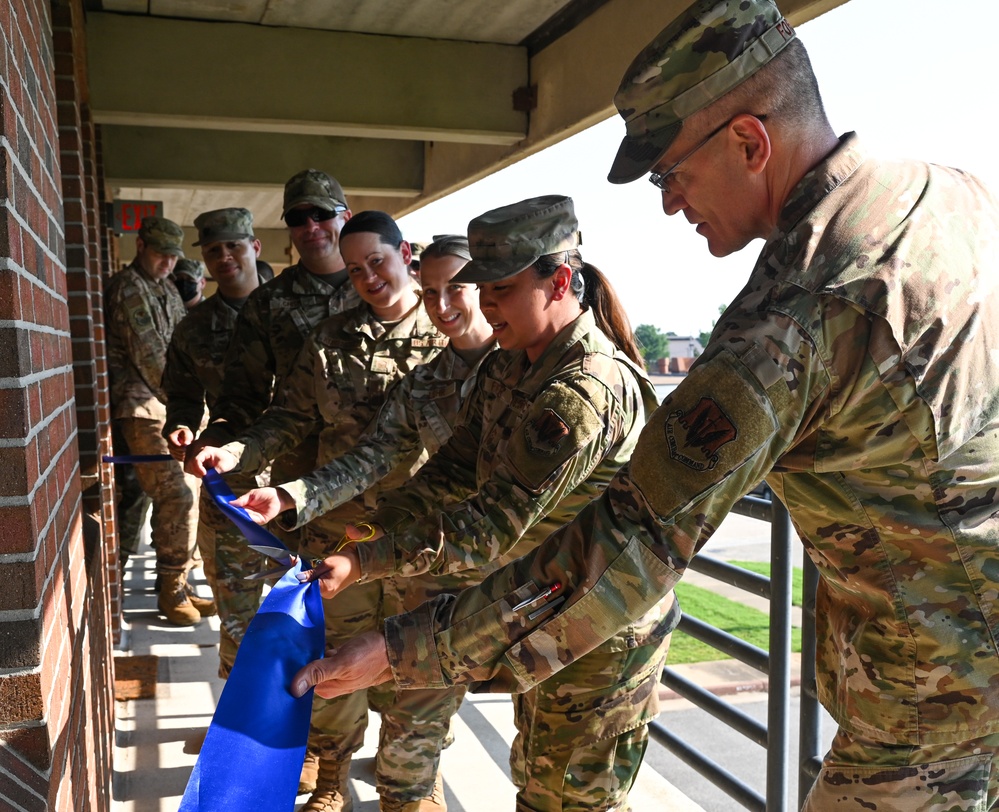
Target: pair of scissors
x,y
287,559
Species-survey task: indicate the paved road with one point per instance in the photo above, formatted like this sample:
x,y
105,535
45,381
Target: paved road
x,y
745,759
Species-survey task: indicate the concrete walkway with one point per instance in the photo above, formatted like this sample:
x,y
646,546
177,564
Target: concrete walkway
x,y
154,754
152,762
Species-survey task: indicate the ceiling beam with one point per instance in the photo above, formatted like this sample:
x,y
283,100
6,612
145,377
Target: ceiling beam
x,y
199,159
150,71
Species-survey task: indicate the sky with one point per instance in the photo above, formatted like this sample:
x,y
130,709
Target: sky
x,y
911,81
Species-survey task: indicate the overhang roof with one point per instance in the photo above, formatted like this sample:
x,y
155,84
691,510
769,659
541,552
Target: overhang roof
x,y
211,103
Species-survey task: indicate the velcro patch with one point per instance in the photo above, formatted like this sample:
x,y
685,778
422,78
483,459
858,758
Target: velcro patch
x,y
710,425
139,316
559,424
694,438
544,434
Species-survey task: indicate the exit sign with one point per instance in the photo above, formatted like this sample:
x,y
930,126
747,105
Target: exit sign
x,y
126,215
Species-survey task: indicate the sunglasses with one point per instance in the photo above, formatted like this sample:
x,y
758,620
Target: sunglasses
x,y
299,217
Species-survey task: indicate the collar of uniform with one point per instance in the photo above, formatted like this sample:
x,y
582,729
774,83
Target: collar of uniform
x,y
223,314
449,366
552,358
819,181
415,322
303,281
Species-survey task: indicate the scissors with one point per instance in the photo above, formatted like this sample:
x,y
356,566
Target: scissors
x,y
287,559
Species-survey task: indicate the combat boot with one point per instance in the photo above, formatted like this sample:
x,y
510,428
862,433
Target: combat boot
x,y
310,772
205,606
434,803
174,603
332,792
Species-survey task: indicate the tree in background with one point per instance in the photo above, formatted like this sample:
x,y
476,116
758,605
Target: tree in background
x,y
654,344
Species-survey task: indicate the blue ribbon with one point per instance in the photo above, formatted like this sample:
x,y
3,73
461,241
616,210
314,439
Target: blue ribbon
x,y
128,459
253,752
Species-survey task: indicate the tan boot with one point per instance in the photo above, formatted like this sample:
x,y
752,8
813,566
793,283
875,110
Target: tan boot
x,y
332,792
205,606
174,603
435,803
310,772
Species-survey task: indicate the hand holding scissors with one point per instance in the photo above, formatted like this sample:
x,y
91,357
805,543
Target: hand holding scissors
x,y
342,568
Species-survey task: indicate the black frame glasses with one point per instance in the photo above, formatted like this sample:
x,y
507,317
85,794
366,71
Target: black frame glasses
x,y
661,179
298,217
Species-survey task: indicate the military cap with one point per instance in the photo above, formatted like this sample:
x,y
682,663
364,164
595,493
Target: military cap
x,y
505,241
453,244
162,235
224,224
316,188
708,50
189,267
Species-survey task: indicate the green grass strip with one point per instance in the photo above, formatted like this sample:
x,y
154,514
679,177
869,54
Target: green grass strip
x,y
763,568
736,618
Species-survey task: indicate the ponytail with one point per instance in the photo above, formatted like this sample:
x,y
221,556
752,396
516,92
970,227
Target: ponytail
x,y
594,292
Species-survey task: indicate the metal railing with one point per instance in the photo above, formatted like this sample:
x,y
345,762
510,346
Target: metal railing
x,y
775,735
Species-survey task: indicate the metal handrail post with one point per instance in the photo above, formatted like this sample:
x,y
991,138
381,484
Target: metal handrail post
x,y
779,700
810,730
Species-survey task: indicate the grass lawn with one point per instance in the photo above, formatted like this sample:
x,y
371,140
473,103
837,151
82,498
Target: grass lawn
x,y
731,616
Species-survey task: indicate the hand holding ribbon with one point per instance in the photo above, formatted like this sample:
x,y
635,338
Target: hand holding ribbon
x,y
359,663
178,441
208,457
264,504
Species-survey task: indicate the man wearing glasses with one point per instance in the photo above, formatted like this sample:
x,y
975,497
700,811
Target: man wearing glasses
x,y
277,317
857,371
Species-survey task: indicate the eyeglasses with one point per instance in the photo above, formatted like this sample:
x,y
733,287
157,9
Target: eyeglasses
x,y
298,217
661,179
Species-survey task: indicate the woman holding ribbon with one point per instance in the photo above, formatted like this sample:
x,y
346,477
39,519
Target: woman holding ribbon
x,y
551,418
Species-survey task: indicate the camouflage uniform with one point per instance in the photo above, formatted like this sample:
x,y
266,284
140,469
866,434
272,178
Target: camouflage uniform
x,y
192,379
420,413
855,372
339,382
270,332
142,315
533,444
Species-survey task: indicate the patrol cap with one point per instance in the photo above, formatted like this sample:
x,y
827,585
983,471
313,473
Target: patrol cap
x,y
453,244
316,188
704,53
224,224
190,268
505,241
162,235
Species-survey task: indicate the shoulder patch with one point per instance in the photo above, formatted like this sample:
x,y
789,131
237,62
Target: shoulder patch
x,y
138,315
558,425
694,437
715,421
545,432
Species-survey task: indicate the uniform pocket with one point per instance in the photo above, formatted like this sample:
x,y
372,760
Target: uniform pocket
x,y
602,695
960,785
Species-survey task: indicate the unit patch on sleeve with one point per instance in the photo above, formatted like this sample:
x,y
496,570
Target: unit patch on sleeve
x,y
544,433
694,437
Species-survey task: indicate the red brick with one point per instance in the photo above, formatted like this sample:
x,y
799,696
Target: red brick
x,y
20,592
18,530
13,412
32,743
10,298
13,472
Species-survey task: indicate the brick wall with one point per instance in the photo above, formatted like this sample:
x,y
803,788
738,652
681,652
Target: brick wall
x,y
56,617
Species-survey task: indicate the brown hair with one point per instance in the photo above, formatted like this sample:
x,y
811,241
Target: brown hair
x,y
594,292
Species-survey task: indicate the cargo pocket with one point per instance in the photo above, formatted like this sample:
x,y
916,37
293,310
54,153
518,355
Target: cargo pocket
x,y
601,696
960,784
